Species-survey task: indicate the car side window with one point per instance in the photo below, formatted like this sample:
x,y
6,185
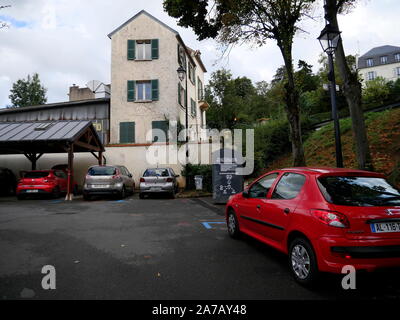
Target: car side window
x,y
60,174
289,186
260,188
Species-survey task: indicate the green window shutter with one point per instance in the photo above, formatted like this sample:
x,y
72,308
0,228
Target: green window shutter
x,y
192,107
127,132
131,49
154,90
154,48
179,94
164,127
131,90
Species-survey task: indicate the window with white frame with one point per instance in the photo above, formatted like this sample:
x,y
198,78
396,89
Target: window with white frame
x,y
397,57
191,73
398,71
143,90
143,49
371,75
370,62
384,60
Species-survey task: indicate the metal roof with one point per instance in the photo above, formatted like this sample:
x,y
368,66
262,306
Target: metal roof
x,y
43,136
55,105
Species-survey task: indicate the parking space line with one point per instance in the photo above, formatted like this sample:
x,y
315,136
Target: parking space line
x,y
208,224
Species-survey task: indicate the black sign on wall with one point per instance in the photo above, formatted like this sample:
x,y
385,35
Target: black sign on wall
x,y
226,181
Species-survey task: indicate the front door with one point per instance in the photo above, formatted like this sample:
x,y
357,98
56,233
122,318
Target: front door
x,y
281,204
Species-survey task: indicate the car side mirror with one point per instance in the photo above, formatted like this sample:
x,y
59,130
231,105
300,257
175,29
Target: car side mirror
x,y
130,175
245,193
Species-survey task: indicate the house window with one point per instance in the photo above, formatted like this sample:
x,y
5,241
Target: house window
x,y
398,71
384,60
371,75
143,50
193,110
199,89
397,57
127,132
160,131
370,62
143,90
191,73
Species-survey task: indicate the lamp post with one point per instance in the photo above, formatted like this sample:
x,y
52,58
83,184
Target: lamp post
x,y
182,74
329,40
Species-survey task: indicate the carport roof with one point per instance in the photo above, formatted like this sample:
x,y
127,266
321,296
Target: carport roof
x,y
48,137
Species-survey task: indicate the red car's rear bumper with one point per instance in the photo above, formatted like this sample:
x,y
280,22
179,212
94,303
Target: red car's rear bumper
x,y
334,253
25,189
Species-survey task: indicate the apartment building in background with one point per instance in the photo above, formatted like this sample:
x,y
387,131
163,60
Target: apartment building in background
x,y
382,62
146,92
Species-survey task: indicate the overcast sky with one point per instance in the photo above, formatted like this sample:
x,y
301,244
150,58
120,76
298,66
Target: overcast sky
x,y
66,42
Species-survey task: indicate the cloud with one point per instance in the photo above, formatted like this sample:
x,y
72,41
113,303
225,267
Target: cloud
x,y
66,42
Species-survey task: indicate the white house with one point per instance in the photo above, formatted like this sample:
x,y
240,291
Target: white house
x,y
382,62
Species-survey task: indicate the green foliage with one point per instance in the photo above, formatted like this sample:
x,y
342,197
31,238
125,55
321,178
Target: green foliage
x,y
376,92
28,92
191,170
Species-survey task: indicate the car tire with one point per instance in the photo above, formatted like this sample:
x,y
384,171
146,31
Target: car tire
x,y
233,225
87,197
303,262
141,195
173,195
122,193
20,197
56,192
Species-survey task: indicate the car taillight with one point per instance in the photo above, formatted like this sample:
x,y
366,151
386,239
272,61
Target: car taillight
x,y
142,180
331,218
169,180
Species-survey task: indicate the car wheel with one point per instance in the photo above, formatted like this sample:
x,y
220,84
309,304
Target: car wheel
x,y
56,192
173,195
302,262
20,197
87,197
122,194
233,225
141,195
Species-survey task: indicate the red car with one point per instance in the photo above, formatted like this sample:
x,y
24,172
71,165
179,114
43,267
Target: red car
x,y
43,182
323,218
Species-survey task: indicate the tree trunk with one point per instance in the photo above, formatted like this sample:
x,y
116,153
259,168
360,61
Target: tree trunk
x,y
292,109
352,92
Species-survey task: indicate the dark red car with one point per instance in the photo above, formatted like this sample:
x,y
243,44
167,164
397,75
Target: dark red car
x,y
323,218
43,182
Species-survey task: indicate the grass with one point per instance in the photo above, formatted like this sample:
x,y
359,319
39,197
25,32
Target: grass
x,y
384,137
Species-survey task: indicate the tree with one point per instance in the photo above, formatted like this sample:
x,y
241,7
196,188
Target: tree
x,y
376,92
351,85
255,21
28,92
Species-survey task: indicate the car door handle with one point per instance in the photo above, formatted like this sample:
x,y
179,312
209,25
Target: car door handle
x,y
287,211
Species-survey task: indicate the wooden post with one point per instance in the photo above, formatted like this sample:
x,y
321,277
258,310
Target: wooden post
x,y
100,158
69,195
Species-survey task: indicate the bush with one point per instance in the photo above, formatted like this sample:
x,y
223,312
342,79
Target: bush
x,y
192,170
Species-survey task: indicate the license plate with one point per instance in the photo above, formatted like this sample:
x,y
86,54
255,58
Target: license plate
x,y
156,189
100,186
32,191
385,227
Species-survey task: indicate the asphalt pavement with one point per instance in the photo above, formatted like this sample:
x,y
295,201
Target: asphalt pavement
x,y
149,249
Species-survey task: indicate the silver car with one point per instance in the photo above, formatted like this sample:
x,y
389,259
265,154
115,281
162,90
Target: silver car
x,y
108,180
158,180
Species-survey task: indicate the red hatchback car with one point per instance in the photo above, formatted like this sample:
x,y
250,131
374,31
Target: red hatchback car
x,y
323,218
42,182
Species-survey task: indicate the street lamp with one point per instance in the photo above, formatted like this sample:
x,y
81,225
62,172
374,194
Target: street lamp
x,y
329,40
182,74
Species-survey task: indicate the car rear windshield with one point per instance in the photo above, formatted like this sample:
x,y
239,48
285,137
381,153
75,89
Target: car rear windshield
x,y
102,171
359,191
36,175
156,173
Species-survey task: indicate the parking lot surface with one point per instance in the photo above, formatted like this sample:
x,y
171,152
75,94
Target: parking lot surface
x,y
149,249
